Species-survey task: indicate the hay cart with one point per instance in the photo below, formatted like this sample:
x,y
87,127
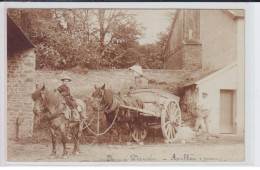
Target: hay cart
x,y
161,109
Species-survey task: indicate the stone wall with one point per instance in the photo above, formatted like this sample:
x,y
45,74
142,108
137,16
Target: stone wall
x,y
192,56
174,43
21,66
183,50
189,100
175,60
22,78
192,25
82,85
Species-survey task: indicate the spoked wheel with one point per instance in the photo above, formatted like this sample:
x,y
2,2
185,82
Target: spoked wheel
x,y
139,134
170,120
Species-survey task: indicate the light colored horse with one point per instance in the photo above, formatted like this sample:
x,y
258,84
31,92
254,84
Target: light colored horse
x,y
51,105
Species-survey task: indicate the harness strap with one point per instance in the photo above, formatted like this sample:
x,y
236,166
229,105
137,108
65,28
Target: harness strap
x,y
53,116
114,105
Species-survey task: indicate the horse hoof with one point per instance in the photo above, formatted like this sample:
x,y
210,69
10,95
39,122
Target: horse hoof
x,y
166,141
141,143
128,143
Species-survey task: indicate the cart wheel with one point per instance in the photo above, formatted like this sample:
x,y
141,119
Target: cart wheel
x,y
139,134
170,120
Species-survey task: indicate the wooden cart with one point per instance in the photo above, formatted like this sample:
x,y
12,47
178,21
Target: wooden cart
x,y
160,108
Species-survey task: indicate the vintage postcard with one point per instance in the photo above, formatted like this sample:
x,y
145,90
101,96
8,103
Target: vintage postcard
x,y
125,85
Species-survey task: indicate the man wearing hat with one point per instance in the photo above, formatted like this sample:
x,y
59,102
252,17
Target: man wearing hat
x,y
203,112
140,80
65,92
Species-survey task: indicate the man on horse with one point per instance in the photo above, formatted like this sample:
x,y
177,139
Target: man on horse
x,y
64,90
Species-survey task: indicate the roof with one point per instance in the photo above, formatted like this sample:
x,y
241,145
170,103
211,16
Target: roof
x,y
234,14
207,76
16,39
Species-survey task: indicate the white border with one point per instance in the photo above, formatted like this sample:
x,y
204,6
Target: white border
x,y
249,105
2,91
257,82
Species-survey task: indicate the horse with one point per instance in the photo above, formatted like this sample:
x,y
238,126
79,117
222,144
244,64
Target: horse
x,y
51,104
110,102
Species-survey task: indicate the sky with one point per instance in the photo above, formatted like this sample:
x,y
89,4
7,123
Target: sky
x,y
155,21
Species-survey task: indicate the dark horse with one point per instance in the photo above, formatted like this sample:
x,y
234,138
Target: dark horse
x,y
51,105
110,103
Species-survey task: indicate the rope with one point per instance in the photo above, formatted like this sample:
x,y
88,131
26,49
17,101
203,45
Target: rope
x,y
98,134
93,142
88,123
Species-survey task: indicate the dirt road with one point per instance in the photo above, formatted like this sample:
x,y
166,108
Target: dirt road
x,y
210,151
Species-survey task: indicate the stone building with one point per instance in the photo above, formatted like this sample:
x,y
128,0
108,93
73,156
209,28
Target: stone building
x,y
203,39
20,68
212,42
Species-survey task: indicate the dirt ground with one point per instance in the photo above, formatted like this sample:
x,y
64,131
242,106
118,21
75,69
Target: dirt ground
x,y
223,149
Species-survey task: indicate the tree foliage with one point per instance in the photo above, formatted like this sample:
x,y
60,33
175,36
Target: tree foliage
x,y
86,38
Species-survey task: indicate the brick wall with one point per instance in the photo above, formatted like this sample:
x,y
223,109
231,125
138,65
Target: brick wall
x,y
19,88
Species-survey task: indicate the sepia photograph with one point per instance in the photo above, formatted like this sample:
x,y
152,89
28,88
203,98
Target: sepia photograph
x,y
125,85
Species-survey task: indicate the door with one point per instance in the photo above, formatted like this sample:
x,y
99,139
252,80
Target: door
x,y
226,111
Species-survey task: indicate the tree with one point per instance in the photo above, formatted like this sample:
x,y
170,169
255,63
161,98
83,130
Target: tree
x,y
154,53
78,38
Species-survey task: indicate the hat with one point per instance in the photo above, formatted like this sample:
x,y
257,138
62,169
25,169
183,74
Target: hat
x,y
137,69
65,78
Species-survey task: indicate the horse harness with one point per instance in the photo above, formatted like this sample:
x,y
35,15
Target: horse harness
x,y
49,113
116,98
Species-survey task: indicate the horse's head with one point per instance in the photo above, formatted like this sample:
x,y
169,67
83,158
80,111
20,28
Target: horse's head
x,y
39,100
98,97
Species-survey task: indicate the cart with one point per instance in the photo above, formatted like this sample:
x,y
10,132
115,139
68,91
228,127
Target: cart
x,y
160,108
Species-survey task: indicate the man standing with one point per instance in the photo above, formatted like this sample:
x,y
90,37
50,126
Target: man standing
x,y
65,92
203,111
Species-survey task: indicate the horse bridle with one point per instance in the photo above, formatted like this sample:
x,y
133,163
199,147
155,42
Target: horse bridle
x,y
101,100
44,105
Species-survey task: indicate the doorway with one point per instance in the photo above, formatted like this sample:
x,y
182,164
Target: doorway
x,y
226,111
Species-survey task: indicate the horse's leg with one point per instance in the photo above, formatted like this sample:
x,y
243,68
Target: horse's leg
x,y
112,135
129,134
63,140
54,141
119,134
80,128
76,132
